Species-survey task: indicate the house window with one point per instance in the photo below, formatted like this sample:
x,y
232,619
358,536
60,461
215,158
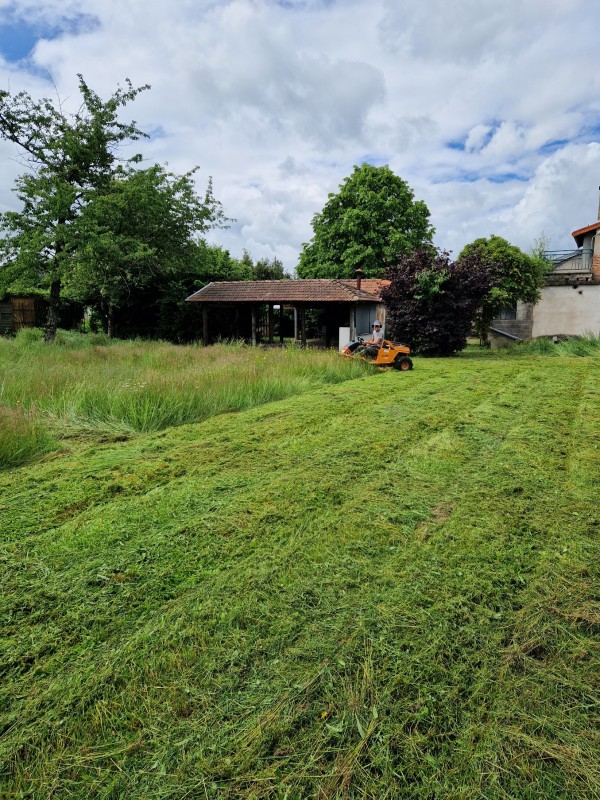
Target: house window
x,y
510,312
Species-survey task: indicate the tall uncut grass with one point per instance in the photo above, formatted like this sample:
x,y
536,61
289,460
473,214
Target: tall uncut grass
x,y
23,436
82,382
582,346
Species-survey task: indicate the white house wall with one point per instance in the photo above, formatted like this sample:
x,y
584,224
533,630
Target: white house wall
x,y
567,310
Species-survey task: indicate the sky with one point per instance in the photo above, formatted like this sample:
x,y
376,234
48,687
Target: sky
x,y
488,109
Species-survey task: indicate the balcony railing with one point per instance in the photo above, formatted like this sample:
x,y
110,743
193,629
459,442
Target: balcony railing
x,y
569,260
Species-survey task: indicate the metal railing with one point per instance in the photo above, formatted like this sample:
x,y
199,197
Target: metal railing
x,y
569,260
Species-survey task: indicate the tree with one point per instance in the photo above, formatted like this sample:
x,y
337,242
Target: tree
x,y
540,248
68,156
370,223
514,276
143,225
246,266
214,263
432,301
269,270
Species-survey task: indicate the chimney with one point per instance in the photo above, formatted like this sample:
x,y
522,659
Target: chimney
x,y
360,275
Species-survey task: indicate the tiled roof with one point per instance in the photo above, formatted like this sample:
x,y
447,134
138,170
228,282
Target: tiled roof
x,y
579,234
371,285
317,290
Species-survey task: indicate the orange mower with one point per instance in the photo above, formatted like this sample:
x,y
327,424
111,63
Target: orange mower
x,y
386,354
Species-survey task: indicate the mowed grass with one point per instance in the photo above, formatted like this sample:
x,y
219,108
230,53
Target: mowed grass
x,y
385,588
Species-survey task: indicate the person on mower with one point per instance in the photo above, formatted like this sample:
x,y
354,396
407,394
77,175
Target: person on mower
x,y
372,345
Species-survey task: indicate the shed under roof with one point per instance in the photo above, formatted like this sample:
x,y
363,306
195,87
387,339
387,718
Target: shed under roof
x,y
306,291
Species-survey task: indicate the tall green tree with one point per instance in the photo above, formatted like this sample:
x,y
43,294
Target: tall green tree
x,y
369,224
68,156
144,225
514,276
246,266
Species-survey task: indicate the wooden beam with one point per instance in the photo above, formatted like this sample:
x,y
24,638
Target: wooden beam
x,y
271,322
253,326
302,327
204,325
281,324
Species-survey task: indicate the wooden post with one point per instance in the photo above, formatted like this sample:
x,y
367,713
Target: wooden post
x,y
302,327
295,323
204,325
270,323
253,326
281,324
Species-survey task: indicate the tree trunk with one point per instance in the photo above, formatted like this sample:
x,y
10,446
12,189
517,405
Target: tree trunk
x,y
52,318
110,321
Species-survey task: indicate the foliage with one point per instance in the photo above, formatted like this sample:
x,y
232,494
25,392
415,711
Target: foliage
x,y
142,227
540,247
432,301
67,157
230,610
269,270
246,266
214,263
369,224
158,308
514,276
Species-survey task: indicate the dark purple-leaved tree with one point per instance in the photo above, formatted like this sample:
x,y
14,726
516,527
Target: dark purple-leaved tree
x,y
432,301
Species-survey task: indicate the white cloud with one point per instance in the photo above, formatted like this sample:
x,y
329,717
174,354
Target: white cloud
x,y
475,105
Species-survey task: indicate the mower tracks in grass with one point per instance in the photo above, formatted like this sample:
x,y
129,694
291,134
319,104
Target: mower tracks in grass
x,y
322,597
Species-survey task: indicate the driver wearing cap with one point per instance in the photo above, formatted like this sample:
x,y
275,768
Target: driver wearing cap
x,y
372,345
377,334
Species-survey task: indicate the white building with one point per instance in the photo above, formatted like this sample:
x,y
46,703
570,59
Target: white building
x,y
570,298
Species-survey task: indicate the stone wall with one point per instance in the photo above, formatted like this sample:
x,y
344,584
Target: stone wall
x,y
521,327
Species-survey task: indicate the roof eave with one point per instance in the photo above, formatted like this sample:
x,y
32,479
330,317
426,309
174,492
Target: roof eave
x,y
579,234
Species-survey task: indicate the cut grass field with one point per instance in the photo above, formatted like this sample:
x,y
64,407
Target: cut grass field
x,y
382,588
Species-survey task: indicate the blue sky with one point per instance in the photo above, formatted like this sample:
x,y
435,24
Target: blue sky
x,y
473,104
17,40
19,32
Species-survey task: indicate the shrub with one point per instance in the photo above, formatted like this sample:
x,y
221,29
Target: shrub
x,y
432,301
29,336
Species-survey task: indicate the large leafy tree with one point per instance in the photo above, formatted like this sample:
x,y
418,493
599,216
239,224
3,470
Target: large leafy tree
x,y
514,276
370,223
144,225
432,301
68,156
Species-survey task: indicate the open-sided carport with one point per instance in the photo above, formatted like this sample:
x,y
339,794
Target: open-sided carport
x,y
350,304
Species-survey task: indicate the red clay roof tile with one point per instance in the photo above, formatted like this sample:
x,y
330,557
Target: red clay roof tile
x,y
317,290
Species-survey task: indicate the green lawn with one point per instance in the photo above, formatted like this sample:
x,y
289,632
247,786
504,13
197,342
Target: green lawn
x,y
376,588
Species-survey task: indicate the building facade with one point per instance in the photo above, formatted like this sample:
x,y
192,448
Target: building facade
x,y
569,304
